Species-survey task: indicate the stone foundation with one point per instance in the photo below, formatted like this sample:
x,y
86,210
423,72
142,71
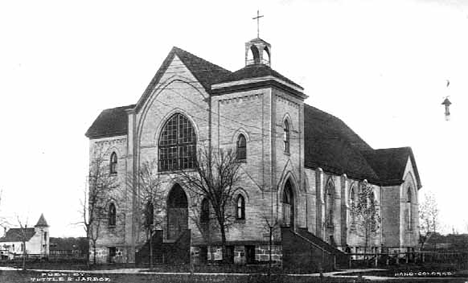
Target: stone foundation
x,y
241,254
102,255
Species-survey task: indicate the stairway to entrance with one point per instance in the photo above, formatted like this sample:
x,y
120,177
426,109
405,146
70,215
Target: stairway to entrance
x,y
303,250
173,252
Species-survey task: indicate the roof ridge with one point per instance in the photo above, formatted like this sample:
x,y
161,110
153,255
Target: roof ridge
x,y
178,49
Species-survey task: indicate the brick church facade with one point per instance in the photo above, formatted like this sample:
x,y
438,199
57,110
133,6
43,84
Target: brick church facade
x,y
300,165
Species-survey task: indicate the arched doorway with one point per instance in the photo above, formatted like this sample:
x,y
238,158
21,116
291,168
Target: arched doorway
x,y
177,212
288,205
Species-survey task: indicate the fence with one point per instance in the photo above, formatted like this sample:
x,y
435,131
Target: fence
x,y
376,259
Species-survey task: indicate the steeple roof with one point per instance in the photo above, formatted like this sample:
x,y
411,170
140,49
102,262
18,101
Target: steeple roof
x,y
42,222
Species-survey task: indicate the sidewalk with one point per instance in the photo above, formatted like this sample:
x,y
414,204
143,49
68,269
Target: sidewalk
x,y
145,271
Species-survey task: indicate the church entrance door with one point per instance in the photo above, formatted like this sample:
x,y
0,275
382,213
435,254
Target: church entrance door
x,y
177,212
288,205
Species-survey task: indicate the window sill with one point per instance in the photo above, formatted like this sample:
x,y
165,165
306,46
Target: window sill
x,y
176,171
287,153
241,160
240,221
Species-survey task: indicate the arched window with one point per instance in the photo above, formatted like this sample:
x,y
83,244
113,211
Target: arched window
x,y
112,214
149,214
410,209
177,144
352,203
205,211
287,136
241,153
240,203
330,204
113,163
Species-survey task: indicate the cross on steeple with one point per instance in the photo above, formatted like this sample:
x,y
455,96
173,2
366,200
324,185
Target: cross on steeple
x,y
258,22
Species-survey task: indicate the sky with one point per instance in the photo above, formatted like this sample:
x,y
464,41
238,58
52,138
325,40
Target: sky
x,y
381,66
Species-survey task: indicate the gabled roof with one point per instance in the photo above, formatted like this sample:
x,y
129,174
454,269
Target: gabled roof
x,y
390,164
42,222
111,122
18,235
331,145
205,72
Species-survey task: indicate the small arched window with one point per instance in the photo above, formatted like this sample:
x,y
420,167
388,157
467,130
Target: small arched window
x,y
330,203
113,163
287,136
205,211
112,214
352,203
240,212
410,209
149,214
352,197
241,153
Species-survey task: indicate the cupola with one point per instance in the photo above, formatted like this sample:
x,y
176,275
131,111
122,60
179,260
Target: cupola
x,y
257,51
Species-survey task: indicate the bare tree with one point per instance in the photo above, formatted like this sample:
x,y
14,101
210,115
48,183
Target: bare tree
x,y
271,225
101,186
3,222
366,213
428,218
151,203
214,178
203,218
23,236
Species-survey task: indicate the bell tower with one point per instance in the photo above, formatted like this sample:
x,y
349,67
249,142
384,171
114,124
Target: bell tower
x,y
257,51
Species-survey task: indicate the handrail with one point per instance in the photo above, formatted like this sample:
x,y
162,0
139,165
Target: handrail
x,y
324,243
312,243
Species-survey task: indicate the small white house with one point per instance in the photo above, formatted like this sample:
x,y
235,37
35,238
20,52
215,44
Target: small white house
x,y
34,240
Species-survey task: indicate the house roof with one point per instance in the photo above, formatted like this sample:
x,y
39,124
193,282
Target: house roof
x,y
42,222
18,235
111,122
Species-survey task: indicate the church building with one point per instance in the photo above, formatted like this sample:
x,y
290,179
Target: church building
x,y
299,165
32,241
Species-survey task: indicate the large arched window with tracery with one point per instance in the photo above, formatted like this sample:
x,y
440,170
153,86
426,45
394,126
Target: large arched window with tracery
x,y
177,144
